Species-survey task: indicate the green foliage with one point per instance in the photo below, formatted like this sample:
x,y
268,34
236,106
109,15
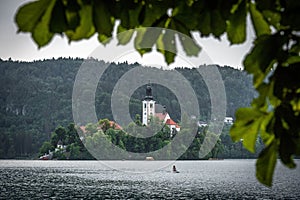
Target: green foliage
x,y
261,27
104,124
266,163
247,127
85,29
60,155
138,120
236,28
74,152
69,138
100,143
46,147
60,133
274,63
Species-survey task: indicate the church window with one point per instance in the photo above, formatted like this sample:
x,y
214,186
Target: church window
x,y
151,105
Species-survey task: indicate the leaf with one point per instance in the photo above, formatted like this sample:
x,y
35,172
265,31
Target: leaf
x,y
264,90
145,39
287,148
104,39
41,33
260,60
137,40
266,131
86,28
124,19
204,23
218,24
246,127
185,16
287,82
102,20
287,129
30,14
124,35
236,26
58,22
153,13
189,45
291,60
273,18
134,15
141,16
167,46
291,15
295,47
266,163
72,15
148,39
261,27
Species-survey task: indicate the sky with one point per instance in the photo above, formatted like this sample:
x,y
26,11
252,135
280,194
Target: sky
x,y
20,46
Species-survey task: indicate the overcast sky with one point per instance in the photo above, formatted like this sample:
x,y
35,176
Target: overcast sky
x,y
21,46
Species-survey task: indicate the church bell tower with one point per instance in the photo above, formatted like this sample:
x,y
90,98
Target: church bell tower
x,y
148,106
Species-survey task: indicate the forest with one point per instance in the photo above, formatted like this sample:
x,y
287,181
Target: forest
x,y
36,98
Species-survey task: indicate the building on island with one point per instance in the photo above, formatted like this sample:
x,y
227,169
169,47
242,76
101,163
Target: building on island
x,y
228,120
149,111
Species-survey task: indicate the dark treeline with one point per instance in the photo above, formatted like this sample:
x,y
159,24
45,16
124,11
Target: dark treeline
x,y
36,97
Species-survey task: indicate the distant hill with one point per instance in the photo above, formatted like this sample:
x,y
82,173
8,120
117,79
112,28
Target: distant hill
x,y
36,97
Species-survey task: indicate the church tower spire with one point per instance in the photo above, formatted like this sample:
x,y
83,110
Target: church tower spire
x,y
148,106
149,92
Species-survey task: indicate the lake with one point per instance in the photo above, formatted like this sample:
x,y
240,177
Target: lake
x,y
220,179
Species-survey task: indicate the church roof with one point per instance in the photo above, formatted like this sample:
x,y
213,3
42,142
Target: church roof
x,y
161,116
112,124
148,93
115,125
170,122
83,129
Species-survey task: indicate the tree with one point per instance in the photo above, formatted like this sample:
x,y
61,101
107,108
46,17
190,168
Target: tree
x,y
61,133
273,61
138,120
104,124
54,139
74,152
46,147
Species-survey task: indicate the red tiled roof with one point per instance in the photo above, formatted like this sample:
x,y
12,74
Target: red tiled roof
x,y
161,116
83,129
112,124
170,122
115,125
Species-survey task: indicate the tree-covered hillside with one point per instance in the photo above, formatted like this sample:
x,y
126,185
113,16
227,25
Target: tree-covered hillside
x,y
36,97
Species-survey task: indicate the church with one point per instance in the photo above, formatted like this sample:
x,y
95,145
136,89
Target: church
x,y
149,111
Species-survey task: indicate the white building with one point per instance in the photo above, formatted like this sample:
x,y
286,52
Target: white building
x,y
228,120
202,124
148,111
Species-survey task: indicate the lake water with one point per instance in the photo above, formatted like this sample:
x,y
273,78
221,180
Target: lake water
x,y
223,179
